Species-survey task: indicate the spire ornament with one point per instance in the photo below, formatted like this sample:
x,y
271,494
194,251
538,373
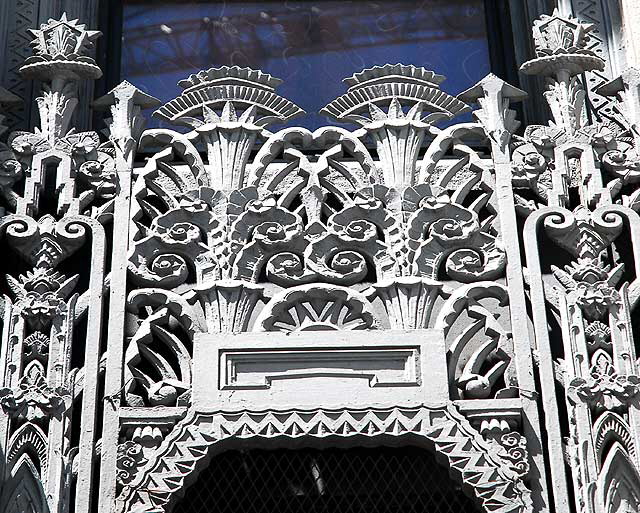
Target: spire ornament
x,y
561,55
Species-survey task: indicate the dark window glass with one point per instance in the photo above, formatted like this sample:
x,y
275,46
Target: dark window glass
x,y
311,45
376,480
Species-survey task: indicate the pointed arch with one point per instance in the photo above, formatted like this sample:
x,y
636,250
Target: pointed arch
x,y
23,492
609,428
618,486
28,439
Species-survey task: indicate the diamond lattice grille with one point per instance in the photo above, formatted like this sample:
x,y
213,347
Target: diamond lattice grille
x,y
333,480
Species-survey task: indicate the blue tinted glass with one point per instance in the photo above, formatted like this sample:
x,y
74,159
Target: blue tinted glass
x,y
311,45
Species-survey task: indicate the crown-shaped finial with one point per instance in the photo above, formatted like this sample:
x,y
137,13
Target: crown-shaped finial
x,y
59,50
561,44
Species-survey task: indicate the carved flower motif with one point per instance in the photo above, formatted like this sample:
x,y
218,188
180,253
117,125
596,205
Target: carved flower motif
x,y
269,232
183,233
37,345
348,262
33,398
10,172
515,452
595,299
99,176
168,265
604,387
129,458
285,264
361,230
598,334
451,230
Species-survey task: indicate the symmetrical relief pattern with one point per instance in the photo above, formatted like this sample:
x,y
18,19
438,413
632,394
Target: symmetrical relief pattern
x,y
484,469
493,268
583,207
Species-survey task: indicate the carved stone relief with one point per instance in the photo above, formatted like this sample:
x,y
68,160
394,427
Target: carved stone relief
x,y
412,278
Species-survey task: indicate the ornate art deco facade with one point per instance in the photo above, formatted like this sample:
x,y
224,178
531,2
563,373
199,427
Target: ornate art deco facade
x,y
469,287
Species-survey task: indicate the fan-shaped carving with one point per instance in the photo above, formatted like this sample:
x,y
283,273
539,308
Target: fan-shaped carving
x,y
158,357
317,307
612,427
29,439
191,102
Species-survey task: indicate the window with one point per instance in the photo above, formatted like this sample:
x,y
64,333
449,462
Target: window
x,y
373,480
311,45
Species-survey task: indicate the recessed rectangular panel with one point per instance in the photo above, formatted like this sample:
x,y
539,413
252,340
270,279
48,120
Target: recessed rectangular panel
x,y
319,369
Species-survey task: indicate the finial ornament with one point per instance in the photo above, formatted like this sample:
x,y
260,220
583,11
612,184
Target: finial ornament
x,y
561,55
561,45
60,48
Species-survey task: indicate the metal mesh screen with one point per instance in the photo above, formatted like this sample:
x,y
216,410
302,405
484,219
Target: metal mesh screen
x,y
358,480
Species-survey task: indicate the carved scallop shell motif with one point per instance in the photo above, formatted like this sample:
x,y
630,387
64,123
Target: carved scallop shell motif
x,y
317,308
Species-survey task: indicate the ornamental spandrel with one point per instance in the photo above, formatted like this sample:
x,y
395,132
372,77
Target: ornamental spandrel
x,y
467,286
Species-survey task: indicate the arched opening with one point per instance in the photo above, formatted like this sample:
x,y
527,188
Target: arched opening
x,y
355,480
